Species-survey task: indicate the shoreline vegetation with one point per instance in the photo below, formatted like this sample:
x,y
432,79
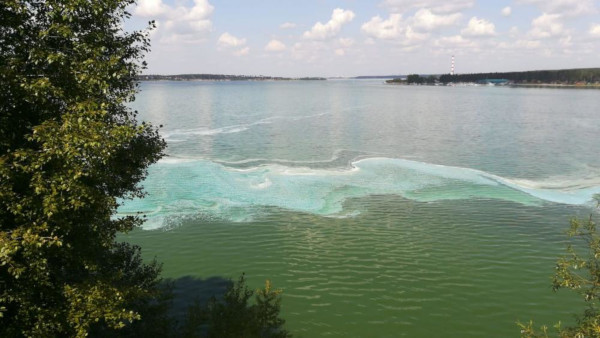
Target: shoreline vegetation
x,y
222,77
563,78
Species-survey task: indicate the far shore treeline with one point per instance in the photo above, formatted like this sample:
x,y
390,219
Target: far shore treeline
x,y
563,76
219,77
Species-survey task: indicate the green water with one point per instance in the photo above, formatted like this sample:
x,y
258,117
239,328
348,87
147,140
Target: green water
x,y
381,211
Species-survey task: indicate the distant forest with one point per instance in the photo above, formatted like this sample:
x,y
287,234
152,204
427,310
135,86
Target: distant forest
x,y
219,77
563,76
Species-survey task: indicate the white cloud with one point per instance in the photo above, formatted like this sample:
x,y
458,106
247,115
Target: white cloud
x,y
455,41
229,41
546,25
528,44
287,25
426,20
346,42
431,29
566,41
513,32
151,8
394,28
413,37
479,27
242,52
564,7
177,23
199,11
595,30
503,45
520,46
275,46
321,31
378,28
436,6
343,45
317,51
308,51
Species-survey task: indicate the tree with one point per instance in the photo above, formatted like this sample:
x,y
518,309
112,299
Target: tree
x,y
414,78
234,316
431,79
578,270
537,76
69,150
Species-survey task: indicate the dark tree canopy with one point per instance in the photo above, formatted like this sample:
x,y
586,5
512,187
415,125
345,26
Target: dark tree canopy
x,y
591,75
415,78
234,316
69,149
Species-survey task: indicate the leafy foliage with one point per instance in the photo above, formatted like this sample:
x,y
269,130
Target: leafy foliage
x,y
415,78
234,317
431,79
578,270
69,149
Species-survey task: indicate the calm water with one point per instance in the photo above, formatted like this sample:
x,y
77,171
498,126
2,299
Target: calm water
x,y
381,211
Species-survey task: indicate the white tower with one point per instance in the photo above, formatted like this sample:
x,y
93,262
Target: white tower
x,y
452,68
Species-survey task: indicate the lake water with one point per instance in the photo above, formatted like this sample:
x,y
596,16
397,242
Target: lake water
x,y
380,210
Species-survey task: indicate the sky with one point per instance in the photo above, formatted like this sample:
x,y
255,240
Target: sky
x,y
361,37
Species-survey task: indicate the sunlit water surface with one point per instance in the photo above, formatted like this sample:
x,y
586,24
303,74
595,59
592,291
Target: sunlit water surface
x,y
380,210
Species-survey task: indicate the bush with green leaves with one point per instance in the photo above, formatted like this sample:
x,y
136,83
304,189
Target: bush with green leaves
x,y
235,317
70,149
578,270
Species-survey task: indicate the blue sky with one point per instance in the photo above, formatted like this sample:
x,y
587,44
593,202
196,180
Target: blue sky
x,y
360,37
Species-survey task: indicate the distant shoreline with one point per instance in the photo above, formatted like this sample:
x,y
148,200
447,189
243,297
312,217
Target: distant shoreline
x,y
222,77
524,85
557,85
563,78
